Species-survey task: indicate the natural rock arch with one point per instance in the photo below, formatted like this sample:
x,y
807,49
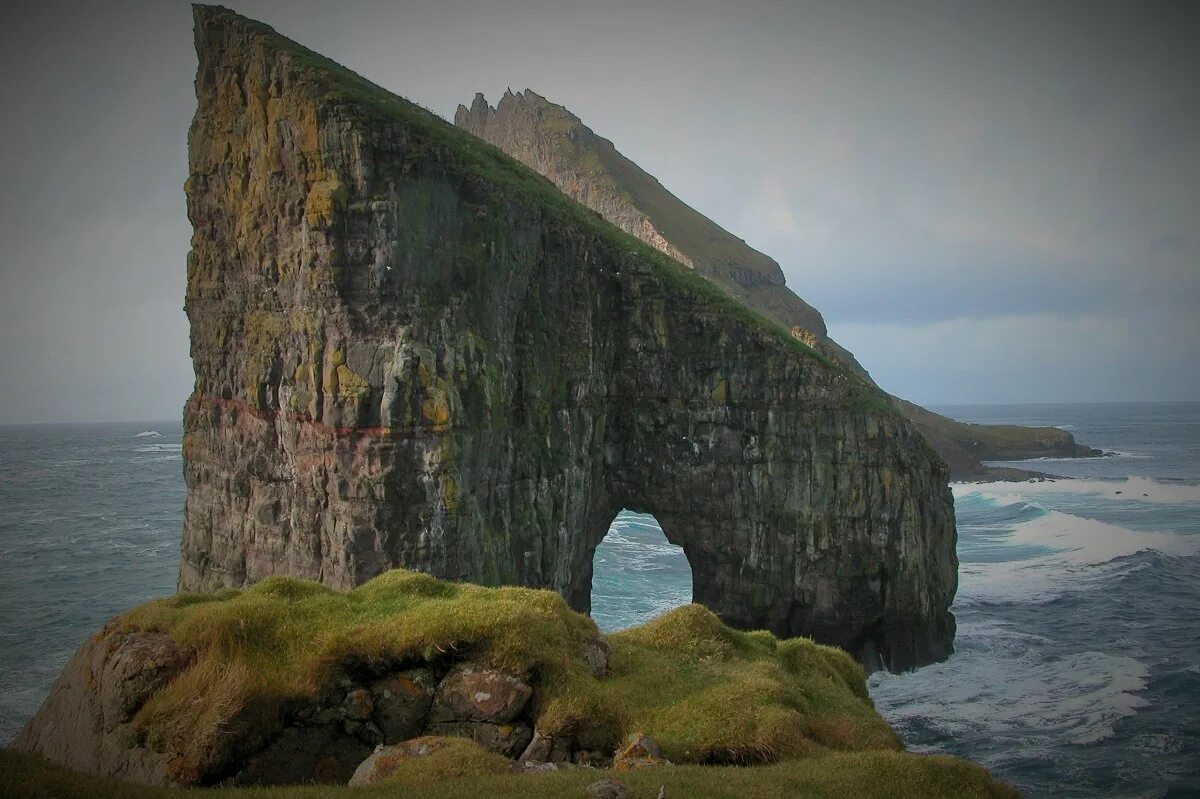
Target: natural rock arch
x,y
412,351
625,592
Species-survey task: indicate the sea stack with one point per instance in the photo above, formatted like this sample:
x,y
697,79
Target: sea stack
x,y
412,350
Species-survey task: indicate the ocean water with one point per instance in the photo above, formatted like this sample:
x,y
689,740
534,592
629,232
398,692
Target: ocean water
x,y
1077,663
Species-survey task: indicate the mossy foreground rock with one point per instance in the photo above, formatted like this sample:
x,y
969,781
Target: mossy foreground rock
x,y
411,350
291,682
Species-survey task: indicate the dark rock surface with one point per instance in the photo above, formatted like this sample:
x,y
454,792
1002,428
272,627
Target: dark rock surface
x,y
402,702
473,693
412,351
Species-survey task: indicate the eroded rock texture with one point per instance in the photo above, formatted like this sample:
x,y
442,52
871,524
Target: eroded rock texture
x,y
412,351
86,724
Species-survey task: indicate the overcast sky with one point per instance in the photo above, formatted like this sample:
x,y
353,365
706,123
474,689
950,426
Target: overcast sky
x,y
989,202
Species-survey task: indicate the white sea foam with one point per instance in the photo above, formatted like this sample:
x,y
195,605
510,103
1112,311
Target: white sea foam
x,y
160,448
1082,553
1108,454
1131,489
149,434
1120,453
1005,685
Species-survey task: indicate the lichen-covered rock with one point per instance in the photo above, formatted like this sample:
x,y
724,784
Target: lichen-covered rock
x,y
504,739
358,705
402,703
470,692
412,351
386,760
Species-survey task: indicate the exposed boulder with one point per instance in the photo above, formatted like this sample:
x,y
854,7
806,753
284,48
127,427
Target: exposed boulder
x,y
547,749
84,723
289,682
303,754
471,692
595,655
384,761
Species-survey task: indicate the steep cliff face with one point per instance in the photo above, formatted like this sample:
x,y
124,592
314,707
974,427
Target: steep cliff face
x,y
586,167
410,350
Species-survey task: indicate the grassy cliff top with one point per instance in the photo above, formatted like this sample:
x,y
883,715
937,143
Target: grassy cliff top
x,y
705,692
798,711
462,153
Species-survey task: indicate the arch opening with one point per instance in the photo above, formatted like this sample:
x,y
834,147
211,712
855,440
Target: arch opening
x,y
637,574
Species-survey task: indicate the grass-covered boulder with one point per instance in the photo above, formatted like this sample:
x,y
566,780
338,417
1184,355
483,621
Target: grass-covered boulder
x,y
291,682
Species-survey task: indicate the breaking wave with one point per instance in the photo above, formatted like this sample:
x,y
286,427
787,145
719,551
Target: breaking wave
x,y
1130,489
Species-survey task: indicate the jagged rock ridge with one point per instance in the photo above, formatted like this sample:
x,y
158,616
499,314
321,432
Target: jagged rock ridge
x,y
588,168
411,350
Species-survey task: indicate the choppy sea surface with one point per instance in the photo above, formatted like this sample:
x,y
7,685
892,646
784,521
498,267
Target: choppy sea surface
x,y
1077,663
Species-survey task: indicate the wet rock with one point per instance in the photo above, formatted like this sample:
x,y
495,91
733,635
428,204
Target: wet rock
x,y
473,693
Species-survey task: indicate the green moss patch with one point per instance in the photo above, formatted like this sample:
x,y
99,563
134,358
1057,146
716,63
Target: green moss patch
x,y
705,692
711,696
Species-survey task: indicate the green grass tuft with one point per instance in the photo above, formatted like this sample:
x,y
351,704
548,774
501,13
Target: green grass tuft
x,y
865,775
709,695
706,692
